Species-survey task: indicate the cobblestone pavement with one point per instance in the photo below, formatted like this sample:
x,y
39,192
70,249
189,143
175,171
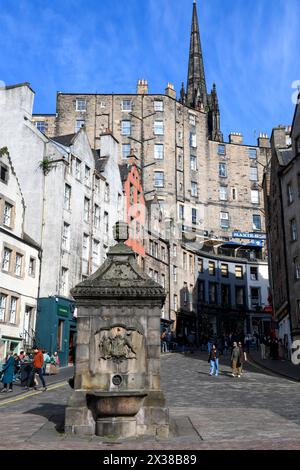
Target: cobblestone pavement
x,y
257,411
281,367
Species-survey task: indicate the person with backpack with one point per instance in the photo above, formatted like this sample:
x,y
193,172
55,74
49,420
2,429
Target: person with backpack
x,y
213,359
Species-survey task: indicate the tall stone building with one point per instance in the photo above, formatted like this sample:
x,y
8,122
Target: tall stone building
x,y
208,189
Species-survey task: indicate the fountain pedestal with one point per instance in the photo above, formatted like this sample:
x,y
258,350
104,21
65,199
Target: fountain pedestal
x,y
117,374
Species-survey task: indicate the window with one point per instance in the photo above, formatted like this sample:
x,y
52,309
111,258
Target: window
x,y
67,197
193,140
201,291
290,193
256,222
3,299
175,273
224,220
163,253
191,264
185,292
181,212
194,216
223,193
106,192
224,270
253,174
6,259
97,185
18,264
255,196
85,246
155,252
193,163
194,189
41,126
86,215
159,151
239,272
126,151
7,214
64,281
252,153
77,168
159,179
126,127
59,338
234,194
254,273
174,250
225,294
175,301
126,105
158,105
221,149
79,124
213,293
179,160
223,170
155,276
163,281
192,119
255,297
297,267
96,216
3,173
159,127
13,310
80,105
200,265
151,251
184,262
96,252
106,225
66,237
294,234
239,296
31,268
87,175
211,268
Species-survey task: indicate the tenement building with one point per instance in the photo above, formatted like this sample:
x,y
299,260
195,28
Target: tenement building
x,y
207,187
20,265
282,190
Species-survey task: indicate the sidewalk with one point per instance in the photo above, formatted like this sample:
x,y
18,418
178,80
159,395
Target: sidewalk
x,y
283,368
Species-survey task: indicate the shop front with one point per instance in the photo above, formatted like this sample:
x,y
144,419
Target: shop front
x,y
56,328
7,344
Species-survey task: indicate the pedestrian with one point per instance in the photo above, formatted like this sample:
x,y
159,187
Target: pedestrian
x,y
263,343
235,360
8,373
213,359
191,341
47,360
243,359
163,344
38,362
16,368
21,355
168,340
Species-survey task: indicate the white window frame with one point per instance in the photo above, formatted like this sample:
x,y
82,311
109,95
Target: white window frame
x,y
159,151
193,140
18,264
77,169
41,126
158,128
96,251
126,151
6,259
158,105
126,127
64,281
252,153
7,214
67,197
79,124
223,193
3,301
254,196
254,224
85,246
86,209
13,310
253,173
80,104
127,105
192,119
194,189
224,216
97,216
87,175
159,179
222,174
66,237
193,162
194,216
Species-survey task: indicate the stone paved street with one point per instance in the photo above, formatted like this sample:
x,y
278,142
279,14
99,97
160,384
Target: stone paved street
x,y
258,411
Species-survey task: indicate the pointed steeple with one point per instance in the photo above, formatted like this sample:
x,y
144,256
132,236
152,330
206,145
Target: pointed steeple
x,y
196,85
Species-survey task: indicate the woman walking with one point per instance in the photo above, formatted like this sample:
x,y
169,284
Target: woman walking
x,y
8,375
214,361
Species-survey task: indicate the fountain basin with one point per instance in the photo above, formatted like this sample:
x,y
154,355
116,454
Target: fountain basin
x,y
116,404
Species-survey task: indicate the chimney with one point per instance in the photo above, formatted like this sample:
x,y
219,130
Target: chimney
x,y
263,141
278,137
142,87
235,138
170,91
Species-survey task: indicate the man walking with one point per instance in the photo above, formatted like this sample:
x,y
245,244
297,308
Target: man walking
x,y
235,360
214,361
38,362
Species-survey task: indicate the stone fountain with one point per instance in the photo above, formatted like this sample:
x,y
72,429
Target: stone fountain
x,y
117,376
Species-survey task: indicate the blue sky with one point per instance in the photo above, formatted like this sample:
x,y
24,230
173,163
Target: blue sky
x,y
250,50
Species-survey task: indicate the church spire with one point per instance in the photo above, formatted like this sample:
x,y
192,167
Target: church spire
x,y
196,84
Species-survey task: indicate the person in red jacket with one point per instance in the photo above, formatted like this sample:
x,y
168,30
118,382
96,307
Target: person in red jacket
x,y
38,362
